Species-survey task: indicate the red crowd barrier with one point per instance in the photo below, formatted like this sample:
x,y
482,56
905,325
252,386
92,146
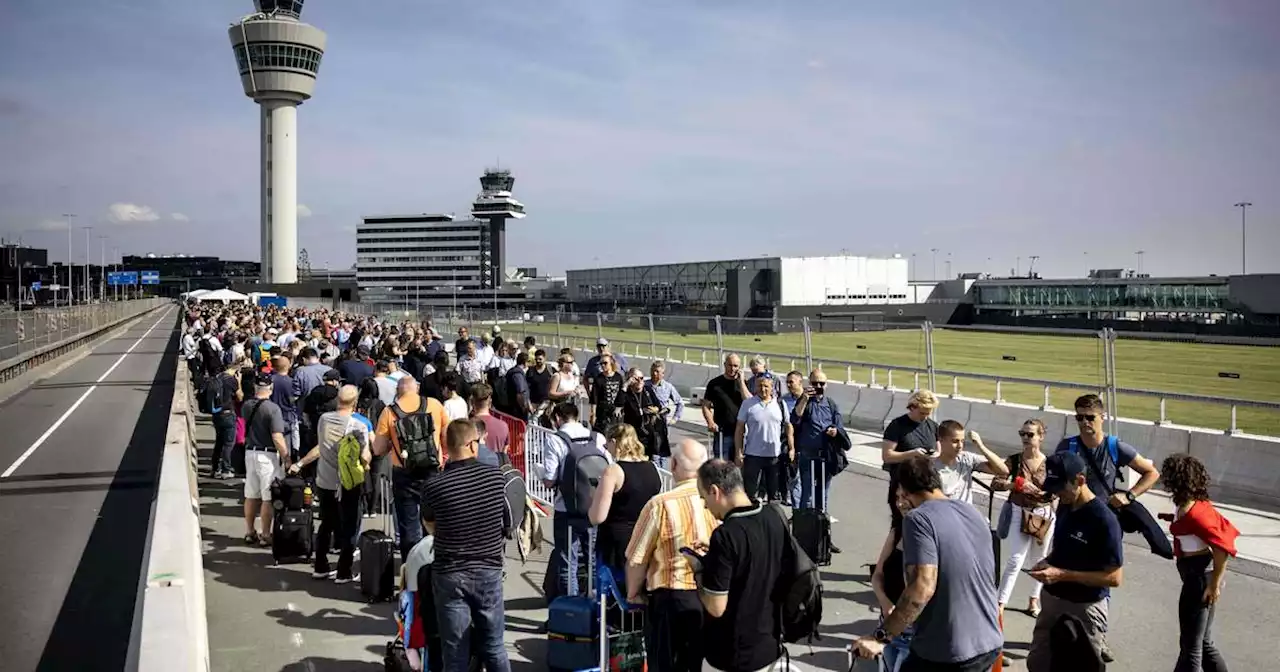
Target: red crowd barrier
x,y
515,448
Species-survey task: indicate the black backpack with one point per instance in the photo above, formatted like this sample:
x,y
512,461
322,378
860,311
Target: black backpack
x,y
213,396
798,593
498,382
416,434
580,473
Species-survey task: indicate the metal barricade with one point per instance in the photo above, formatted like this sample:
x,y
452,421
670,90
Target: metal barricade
x,y
515,447
536,441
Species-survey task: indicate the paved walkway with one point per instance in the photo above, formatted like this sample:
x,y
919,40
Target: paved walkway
x,y
265,618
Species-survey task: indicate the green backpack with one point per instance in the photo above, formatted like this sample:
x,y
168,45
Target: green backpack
x,y
350,466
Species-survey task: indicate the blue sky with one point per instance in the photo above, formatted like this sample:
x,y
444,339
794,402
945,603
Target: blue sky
x,y
644,132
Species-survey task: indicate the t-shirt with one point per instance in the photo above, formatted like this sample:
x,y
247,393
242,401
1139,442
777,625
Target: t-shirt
x,y
386,389
909,435
229,388
764,427
1087,539
539,385
499,435
604,395
456,408
744,561
468,504
261,424
1102,457
957,479
282,395
330,430
726,398
960,620
354,371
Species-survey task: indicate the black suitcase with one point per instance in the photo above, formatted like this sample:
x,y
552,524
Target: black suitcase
x,y
378,555
289,494
812,526
292,536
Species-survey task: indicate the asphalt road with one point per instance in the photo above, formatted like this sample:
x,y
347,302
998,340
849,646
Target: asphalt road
x,y
80,463
276,618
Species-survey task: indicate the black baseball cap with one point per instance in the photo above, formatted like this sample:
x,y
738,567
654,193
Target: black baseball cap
x,y
332,374
263,379
1061,469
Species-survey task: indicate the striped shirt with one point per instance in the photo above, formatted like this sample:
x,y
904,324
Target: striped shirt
x,y
670,521
468,505
667,397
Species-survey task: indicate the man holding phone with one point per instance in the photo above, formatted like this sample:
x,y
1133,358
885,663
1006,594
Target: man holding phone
x,y
909,435
816,420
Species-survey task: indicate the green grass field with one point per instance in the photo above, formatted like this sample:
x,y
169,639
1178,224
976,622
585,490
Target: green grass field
x,y
1162,366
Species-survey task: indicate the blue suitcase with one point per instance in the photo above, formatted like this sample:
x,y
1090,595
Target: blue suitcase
x,y
573,621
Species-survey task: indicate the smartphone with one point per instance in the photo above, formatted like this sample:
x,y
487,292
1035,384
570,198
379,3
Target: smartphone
x,y
690,552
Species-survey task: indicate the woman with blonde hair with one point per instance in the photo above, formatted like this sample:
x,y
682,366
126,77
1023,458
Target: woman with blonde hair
x,y
1026,519
626,485
912,433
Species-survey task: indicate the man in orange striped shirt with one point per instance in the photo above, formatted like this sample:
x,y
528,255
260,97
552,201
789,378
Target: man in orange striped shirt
x,y
670,521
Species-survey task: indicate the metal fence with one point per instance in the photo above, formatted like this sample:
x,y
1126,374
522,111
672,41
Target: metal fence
x,y
535,443
28,331
1168,381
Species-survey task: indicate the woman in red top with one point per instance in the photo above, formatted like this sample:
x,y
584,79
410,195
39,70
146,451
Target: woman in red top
x,y
1202,542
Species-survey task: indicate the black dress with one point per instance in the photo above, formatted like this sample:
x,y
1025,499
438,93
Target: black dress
x,y
640,483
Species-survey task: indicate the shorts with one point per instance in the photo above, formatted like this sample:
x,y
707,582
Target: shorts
x,y
260,469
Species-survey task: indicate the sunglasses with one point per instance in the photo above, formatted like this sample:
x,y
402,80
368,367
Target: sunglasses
x,y
1026,435
1086,417
818,383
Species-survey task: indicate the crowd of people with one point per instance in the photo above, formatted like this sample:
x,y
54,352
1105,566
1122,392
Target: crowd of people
x,y
709,557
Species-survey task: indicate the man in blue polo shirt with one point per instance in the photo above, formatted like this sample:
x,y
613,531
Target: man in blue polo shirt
x,y
1085,564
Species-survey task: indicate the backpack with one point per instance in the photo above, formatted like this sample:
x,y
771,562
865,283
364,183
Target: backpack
x,y
1113,449
580,472
416,434
498,382
350,466
516,492
799,591
213,396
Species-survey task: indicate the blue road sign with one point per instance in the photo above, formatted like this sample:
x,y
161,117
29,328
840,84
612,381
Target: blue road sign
x,y
122,278
35,286
151,277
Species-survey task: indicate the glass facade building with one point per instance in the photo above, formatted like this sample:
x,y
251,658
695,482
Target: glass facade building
x,y
695,286
1131,295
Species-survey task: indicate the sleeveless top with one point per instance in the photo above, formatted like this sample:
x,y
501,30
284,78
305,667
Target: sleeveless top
x,y
640,483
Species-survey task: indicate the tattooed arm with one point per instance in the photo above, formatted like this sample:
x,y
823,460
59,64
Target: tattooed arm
x,y
922,580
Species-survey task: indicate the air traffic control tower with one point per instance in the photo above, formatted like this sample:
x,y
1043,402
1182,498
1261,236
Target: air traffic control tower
x,y
495,206
278,56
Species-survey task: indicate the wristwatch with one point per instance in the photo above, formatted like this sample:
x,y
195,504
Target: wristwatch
x,y
1128,494
881,635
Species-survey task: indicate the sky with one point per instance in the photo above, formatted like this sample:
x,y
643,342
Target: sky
x,y
665,130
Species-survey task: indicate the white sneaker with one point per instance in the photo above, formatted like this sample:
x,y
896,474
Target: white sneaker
x,y
353,579
321,576
833,519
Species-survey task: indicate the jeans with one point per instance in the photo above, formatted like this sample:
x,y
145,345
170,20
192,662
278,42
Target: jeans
x,y
339,522
673,631
224,431
895,652
802,492
661,462
406,493
556,581
1195,619
760,476
467,600
979,663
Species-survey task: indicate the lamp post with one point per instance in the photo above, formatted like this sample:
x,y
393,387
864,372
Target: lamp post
x,y
66,217
1244,256
87,295
933,275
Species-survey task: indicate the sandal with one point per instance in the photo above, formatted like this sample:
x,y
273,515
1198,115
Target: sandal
x,y
264,540
251,538
1033,609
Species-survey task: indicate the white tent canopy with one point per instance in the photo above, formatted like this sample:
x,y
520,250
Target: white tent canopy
x,y
223,295
196,293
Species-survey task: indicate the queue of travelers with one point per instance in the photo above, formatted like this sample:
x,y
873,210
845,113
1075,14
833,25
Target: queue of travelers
x,y
711,555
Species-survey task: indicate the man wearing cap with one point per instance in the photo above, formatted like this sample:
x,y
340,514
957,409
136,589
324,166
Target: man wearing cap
x,y
593,365
1085,564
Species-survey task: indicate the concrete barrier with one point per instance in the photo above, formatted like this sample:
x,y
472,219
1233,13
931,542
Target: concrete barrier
x,y
1243,467
948,409
999,424
846,398
175,632
873,407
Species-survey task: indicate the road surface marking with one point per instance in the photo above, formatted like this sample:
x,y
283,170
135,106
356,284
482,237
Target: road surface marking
x,y
58,423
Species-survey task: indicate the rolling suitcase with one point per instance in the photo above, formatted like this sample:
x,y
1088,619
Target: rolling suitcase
x,y
812,526
292,529
378,555
573,620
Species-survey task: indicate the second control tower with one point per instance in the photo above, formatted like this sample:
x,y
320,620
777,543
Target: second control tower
x,y
495,206
279,57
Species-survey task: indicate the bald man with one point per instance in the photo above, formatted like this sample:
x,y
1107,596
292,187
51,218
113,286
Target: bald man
x,y
670,521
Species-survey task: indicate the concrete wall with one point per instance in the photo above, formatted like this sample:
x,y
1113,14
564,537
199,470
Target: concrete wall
x,y
1243,467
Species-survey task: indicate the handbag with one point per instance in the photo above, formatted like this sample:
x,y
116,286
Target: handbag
x,y
1034,524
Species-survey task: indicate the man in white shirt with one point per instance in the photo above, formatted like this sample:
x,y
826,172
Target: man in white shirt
x,y
484,353
956,467
565,418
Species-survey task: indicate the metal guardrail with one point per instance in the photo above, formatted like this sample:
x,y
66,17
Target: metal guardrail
x,y
536,440
29,339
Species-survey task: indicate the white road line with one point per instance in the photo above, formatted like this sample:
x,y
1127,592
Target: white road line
x,y
49,432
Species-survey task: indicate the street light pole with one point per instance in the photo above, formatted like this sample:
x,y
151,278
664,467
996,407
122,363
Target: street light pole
x,y
933,274
87,296
1244,256
67,218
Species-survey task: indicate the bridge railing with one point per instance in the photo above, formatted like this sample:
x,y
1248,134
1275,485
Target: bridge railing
x,y
30,338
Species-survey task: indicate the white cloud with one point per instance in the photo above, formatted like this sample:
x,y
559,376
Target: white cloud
x,y
817,64
129,212
303,210
179,217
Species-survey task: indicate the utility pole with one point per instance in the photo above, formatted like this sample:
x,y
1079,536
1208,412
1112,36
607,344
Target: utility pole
x,y
87,295
66,217
933,275
102,269
1244,254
